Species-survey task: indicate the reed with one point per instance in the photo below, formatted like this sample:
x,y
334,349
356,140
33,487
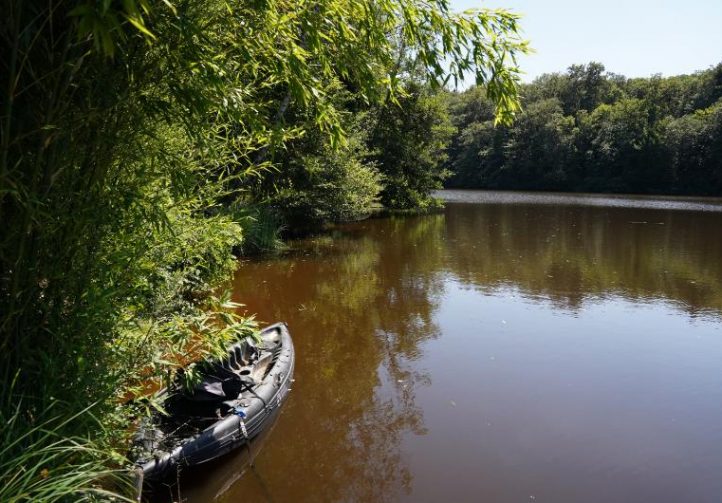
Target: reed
x,y
41,461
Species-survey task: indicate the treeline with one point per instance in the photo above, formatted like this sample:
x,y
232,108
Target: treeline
x,y
143,145
591,130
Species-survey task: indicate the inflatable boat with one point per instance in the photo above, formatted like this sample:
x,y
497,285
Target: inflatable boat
x,y
233,401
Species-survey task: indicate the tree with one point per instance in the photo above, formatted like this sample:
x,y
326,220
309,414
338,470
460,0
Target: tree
x,y
409,143
313,183
540,151
618,140
586,87
693,147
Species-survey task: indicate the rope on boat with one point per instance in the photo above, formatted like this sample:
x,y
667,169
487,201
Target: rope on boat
x,y
242,428
177,481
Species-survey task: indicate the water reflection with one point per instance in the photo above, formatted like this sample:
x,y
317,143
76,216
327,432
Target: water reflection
x,y
358,305
498,351
571,253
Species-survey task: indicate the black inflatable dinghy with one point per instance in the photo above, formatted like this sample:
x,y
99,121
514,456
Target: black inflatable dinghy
x,y
231,404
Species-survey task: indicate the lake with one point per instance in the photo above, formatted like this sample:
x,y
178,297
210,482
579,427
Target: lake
x,y
518,347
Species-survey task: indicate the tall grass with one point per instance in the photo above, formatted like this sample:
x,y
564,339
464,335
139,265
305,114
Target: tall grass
x,y
262,229
40,462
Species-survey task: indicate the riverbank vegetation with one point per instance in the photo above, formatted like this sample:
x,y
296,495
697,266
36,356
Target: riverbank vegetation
x,y
590,130
144,144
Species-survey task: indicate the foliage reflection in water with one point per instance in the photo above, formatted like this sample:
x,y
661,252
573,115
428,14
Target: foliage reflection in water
x,y
500,351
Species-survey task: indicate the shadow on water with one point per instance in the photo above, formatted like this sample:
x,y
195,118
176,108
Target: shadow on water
x,y
210,481
369,312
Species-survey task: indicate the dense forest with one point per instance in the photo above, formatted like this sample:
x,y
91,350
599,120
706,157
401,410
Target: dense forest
x,y
145,145
591,130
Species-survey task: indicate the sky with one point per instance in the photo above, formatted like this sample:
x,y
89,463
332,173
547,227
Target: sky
x,y
635,38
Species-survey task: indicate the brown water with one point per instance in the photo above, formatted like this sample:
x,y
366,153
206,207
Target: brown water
x,y
516,348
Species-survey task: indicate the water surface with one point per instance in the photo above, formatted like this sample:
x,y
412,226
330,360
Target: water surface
x,y
515,348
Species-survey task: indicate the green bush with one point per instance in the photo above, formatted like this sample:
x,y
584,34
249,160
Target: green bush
x,y
317,183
